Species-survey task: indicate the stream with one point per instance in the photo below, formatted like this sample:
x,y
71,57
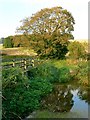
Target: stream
x,y
66,101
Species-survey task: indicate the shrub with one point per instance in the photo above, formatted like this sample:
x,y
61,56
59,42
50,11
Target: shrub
x,y
51,73
21,95
19,99
82,75
14,88
76,50
64,75
8,42
45,71
41,85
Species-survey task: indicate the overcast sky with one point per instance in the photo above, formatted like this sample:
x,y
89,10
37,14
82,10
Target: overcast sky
x,y
12,11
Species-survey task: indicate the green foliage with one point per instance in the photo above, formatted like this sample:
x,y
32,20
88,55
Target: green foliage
x,y
21,95
17,41
76,50
8,42
51,29
64,75
21,41
51,73
48,20
45,71
14,88
42,86
51,46
83,69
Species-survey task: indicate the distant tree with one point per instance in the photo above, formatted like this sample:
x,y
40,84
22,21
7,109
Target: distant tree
x,y
8,42
20,41
51,29
16,41
1,40
76,50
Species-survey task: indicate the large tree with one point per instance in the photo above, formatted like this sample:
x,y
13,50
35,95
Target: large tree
x,y
51,29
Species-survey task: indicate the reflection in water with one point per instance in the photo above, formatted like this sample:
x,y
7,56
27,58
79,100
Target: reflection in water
x,y
60,100
68,98
84,94
80,106
66,101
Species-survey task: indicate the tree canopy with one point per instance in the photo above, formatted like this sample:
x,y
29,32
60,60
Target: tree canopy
x,y
16,41
51,29
8,42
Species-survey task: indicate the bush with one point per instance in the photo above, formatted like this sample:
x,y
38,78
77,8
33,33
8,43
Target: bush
x,y
51,73
76,50
41,85
45,71
64,75
8,42
14,86
21,95
83,73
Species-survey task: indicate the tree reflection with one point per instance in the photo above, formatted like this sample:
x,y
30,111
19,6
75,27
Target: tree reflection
x,y
84,94
60,100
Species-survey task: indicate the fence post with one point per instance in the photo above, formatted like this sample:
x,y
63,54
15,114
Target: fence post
x,y
22,61
13,63
25,64
33,63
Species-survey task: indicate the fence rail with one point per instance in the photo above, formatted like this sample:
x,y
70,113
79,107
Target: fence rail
x,y
25,64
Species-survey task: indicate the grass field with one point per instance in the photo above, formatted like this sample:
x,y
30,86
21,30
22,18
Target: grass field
x,y
18,51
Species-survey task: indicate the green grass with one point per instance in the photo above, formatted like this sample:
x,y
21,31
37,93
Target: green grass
x,y
62,63
48,114
59,63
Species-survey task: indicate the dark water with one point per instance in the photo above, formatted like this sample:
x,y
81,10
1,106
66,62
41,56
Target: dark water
x,y
66,101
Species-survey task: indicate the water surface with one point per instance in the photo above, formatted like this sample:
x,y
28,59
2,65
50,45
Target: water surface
x,y
66,101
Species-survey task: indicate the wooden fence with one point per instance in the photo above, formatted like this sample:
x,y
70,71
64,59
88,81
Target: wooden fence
x,y
25,64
